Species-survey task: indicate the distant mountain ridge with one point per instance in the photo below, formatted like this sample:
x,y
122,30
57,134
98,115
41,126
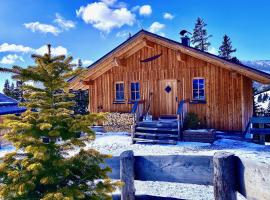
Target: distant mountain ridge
x,y
263,65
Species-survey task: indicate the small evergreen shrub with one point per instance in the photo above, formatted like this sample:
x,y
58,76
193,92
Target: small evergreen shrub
x,y
192,121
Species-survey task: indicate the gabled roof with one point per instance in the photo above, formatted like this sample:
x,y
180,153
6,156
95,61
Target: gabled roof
x,y
9,105
131,43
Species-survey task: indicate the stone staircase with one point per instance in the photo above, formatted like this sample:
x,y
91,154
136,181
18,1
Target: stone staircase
x,y
161,131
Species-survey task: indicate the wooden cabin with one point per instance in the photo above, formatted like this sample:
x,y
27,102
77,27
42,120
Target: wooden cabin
x,y
159,72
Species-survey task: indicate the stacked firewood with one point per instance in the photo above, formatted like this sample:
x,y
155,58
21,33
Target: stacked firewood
x,y
119,122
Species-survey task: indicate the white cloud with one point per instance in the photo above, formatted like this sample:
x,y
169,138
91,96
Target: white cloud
x,y
168,16
123,34
145,10
43,28
157,27
63,23
5,47
213,50
11,59
104,18
59,50
109,2
87,62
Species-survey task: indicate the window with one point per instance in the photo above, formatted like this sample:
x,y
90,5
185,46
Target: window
x,y
198,89
119,91
135,91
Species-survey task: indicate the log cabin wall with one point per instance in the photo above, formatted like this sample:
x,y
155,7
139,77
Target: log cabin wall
x,y
228,94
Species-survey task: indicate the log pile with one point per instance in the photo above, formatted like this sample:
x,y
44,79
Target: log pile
x,y
119,122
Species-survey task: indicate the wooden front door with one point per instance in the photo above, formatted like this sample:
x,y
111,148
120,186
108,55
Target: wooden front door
x,y
168,97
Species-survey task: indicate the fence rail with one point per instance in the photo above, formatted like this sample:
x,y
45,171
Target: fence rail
x,y
226,172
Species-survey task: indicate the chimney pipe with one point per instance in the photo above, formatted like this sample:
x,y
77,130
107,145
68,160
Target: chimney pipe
x,y
185,38
185,41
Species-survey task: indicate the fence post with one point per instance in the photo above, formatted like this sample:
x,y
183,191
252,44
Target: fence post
x,y
127,175
224,176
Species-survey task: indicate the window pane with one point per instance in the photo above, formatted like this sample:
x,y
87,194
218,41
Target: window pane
x,y
132,86
195,83
118,96
122,95
195,94
201,94
121,86
117,86
201,81
138,96
201,84
137,86
133,96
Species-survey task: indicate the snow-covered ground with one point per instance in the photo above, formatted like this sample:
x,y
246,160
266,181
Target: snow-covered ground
x,y
116,143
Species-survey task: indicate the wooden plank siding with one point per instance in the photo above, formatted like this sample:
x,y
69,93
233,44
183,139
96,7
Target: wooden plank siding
x,y
228,94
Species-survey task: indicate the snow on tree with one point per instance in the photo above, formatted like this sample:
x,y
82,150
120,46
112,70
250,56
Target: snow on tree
x,y
200,38
41,167
226,49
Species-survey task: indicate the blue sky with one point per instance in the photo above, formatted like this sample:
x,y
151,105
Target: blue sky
x,y
88,29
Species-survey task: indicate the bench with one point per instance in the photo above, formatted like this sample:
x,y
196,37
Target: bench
x,y
257,126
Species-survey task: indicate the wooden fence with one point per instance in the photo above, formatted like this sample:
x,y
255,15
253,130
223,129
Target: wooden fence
x,y
227,173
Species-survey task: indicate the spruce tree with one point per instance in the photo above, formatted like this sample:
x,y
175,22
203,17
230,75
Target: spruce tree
x,y
226,49
259,98
6,89
200,37
265,97
41,167
18,92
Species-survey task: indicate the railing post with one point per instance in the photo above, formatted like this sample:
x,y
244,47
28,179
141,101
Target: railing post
x,y
224,176
127,175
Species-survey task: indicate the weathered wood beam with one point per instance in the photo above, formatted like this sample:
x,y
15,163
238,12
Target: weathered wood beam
x,y
148,43
134,50
127,175
89,82
224,176
117,62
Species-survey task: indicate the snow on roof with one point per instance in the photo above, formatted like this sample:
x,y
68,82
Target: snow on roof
x,y
9,105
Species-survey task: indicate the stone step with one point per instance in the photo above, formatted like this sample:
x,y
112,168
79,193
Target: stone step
x,y
156,134
153,129
154,141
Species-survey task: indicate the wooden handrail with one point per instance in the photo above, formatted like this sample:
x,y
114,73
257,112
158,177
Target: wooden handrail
x,y
180,117
135,107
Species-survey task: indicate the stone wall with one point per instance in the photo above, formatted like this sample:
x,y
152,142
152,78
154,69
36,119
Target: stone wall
x,y
119,122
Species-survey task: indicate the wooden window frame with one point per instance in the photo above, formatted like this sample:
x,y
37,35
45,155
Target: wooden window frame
x,y
115,91
198,99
